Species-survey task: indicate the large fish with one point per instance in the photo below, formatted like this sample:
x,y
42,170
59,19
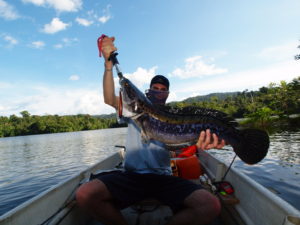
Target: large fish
x,y
179,127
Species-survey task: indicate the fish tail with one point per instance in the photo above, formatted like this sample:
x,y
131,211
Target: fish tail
x,y
253,145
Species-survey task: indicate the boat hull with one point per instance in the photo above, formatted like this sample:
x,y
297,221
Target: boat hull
x,y
257,205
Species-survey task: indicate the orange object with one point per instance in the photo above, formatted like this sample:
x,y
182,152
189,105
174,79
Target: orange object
x,y
174,168
188,151
187,168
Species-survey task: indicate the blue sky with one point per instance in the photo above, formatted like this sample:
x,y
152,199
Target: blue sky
x,y
49,60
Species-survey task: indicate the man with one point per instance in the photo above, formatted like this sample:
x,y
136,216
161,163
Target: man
x,y
147,169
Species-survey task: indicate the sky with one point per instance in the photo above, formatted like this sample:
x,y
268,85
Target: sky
x,y
49,60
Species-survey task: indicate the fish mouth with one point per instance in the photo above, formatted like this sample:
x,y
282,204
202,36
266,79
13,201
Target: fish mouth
x,y
131,100
127,107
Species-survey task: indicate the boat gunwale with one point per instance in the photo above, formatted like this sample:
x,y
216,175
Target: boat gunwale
x,y
80,177
286,208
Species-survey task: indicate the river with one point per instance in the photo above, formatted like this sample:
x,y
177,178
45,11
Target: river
x,y
31,164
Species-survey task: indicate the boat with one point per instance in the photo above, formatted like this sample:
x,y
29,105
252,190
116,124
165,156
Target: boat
x,y
252,204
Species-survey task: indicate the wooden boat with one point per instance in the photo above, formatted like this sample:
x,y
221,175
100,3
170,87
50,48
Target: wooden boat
x,y
252,205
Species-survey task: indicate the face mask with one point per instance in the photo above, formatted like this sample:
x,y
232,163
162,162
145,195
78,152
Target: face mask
x,y
156,96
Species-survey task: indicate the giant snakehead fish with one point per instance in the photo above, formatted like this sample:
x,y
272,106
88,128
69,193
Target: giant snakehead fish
x,y
179,127
176,127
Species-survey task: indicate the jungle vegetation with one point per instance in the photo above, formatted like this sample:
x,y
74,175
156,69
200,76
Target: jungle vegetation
x,y
262,108
31,124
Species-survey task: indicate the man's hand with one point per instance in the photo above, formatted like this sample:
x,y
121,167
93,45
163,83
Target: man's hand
x,y
108,47
207,141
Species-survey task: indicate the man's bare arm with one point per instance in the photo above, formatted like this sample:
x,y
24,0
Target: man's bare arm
x,y
110,97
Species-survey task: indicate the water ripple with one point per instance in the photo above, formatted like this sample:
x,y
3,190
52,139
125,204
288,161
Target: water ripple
x,y
30,165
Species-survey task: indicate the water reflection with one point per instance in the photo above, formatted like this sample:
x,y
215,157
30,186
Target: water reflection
x,y
32,164
286,147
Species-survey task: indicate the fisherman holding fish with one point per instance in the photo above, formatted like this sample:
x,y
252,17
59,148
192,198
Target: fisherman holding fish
x,y
147,172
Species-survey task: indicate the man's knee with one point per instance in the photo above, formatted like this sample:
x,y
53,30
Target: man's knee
x,y
202,199
91,191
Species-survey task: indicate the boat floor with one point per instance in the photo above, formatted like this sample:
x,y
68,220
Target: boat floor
x,y
150,212
162,215
215,222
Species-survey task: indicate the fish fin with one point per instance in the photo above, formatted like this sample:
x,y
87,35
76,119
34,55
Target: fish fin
x,y
145,138
198,112
135,117
254,145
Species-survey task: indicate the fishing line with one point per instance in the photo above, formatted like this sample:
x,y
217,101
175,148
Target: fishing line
x,y
228,168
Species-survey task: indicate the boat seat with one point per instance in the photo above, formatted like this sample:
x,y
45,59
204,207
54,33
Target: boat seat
x,y
147,212
147,202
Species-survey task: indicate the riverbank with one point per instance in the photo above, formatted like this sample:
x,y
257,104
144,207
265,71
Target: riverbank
x,y
273,124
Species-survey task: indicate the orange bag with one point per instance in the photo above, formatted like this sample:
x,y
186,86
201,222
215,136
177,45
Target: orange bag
x,y
187,168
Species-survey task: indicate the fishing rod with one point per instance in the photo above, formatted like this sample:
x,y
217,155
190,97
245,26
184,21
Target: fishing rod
x,y
115,62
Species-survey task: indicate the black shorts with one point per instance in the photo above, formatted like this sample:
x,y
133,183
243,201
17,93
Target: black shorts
x,y
128,188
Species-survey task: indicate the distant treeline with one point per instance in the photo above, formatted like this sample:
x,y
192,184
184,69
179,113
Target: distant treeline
x,y
276,100
268,108
28,124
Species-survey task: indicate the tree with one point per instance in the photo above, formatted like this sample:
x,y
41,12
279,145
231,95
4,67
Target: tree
x,y
297,56
262,116
25,114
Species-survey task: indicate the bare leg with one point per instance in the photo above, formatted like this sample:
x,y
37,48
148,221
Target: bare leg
x,y
201,207
95,198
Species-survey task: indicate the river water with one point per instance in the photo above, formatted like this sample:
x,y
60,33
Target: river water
x,y
30,165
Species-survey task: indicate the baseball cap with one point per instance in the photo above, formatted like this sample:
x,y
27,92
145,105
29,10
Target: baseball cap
x,y
161,80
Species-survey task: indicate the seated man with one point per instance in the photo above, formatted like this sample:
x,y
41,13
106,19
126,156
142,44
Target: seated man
x,y
147,169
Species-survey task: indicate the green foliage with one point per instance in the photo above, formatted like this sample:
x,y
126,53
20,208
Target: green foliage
x,y
220,96
297,57
28,125
275,100
261,107
262,116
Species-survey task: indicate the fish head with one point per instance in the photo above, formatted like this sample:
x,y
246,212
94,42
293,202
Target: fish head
x,y
132,100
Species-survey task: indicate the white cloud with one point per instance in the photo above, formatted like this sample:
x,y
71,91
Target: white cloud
x,y
74,77
37,44
196,67
69,41
84,22
104,19
106,15
36,2
11,40
66,42
140,77
53,100
59,5
249,79
56,25
92,14
5,85
172,97
39,100
92,17
284,51
7,11
58,46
